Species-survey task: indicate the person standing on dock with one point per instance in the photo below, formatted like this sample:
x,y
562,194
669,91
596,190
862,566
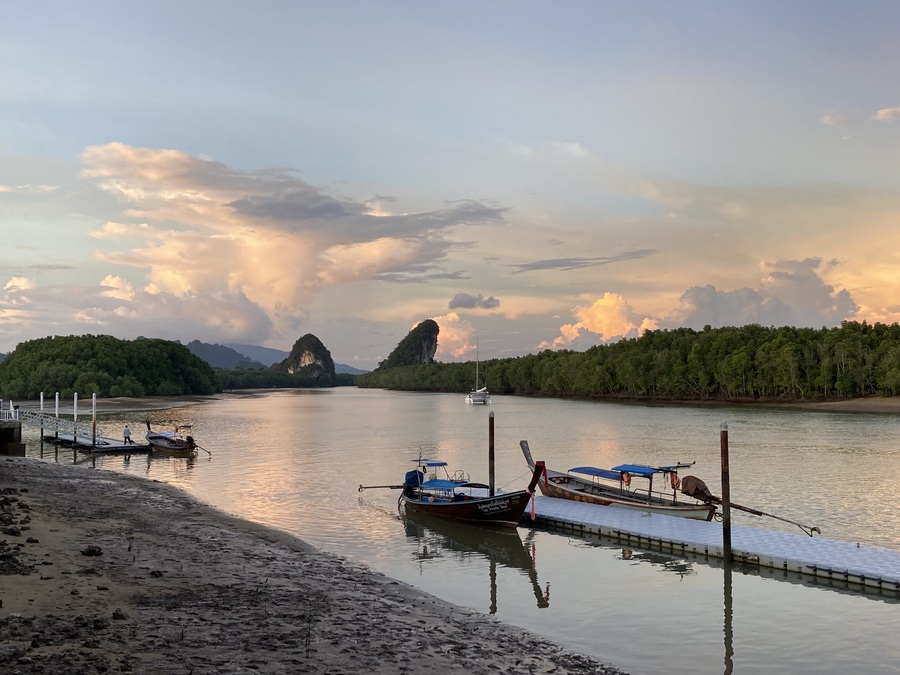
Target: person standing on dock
x,y
127,434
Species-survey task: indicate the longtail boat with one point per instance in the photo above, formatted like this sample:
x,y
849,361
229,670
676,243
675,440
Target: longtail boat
x,y
612,487
455,497
178,442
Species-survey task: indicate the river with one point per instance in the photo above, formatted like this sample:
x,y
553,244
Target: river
x,y
293,460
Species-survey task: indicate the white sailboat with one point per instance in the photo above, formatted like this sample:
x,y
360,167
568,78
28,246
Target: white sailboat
x,y
479,395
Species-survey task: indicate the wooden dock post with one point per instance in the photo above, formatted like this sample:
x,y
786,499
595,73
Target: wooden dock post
x,y
93,421
726,496
491,452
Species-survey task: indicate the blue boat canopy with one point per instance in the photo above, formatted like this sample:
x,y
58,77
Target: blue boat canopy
x,y
638,469
442,484
430,462
597,473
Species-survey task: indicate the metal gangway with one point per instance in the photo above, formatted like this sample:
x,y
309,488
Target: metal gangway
x,y
56,424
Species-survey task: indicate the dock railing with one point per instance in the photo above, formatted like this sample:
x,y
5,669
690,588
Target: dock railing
x,y
52,423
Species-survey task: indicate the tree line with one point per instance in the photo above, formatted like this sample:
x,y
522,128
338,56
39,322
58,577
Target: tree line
x,y
752,362
109,367
106,366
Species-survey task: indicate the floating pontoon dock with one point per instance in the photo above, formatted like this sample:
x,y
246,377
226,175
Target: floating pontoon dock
x,y
838,560
97,443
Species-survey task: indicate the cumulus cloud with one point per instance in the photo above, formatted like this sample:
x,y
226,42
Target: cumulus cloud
x,y
607,319
454,338
117,287
790,293
887,114
264,241
19,284
114,307
469,301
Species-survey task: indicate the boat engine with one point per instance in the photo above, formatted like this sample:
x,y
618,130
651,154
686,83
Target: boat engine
x,y
696,488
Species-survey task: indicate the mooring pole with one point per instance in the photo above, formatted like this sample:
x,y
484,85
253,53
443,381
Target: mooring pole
x,y
729,621
94,421
726,496
491,451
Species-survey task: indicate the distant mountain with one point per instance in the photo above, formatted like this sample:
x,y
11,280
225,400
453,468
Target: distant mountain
x,y
343,368
265,355
269,357
2,356
219,356
311,359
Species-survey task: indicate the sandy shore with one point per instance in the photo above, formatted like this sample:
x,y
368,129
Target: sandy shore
x,y
103,572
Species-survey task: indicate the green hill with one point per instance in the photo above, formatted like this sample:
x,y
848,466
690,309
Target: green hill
x,y
106,366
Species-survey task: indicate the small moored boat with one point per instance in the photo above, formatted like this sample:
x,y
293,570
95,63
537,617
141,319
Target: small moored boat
x,y
612,487
179,441
455,497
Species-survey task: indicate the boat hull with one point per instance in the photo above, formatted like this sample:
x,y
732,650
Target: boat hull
x,y
566,486
171,446
504,510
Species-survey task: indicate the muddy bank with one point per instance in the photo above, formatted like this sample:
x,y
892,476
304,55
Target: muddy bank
x,y
104,572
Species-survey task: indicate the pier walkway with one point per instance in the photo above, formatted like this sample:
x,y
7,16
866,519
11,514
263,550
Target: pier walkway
x,y
867,565
79,434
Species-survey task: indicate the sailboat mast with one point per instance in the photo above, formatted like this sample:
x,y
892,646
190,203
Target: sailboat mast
x,y
476,365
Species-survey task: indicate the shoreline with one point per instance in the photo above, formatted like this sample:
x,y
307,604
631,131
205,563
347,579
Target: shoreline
x,y
875,404
105,572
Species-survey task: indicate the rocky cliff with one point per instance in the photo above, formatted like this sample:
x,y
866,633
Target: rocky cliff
x,y
311,359
419,346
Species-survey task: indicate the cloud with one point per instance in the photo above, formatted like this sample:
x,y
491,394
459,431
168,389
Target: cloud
x,y
607,319
113,307
469,301
791,293
196,227
887,114
454,338
118,288
29,189
566,150
19,284
568,264
833,119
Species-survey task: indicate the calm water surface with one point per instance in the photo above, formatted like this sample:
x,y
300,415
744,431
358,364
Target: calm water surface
x,y
294,460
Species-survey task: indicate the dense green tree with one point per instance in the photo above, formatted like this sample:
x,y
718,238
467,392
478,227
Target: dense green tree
x,y
106,366
752,362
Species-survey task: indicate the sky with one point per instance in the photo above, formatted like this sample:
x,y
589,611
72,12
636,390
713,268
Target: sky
x,y
530,175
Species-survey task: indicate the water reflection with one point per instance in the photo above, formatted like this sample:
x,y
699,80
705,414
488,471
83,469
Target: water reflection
x,y
684,564
435,537
668,563
729,616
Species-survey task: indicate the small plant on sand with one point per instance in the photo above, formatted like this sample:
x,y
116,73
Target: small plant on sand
x,y
262,596
316,605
